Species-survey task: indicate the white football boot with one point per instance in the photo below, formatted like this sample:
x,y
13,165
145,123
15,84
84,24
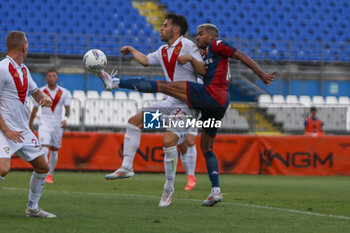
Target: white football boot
x,y
166,198
38,212
121,173
110,81
212,199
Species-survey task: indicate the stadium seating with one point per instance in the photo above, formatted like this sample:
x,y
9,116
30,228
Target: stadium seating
x,y
297,30
300,30
72,27
292,113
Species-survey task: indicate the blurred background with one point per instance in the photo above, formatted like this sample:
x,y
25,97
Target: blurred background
x,y
306,41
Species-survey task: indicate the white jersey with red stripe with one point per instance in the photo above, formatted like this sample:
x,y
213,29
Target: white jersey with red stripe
x,y
15,84
52,117
167,57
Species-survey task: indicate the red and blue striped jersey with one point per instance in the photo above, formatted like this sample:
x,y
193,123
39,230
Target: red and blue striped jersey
x,y
217,77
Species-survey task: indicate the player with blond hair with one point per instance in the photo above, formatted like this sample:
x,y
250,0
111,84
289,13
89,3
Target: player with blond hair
x,y
15,135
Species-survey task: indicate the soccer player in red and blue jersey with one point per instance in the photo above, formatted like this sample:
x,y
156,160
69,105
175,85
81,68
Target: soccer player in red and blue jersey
x,y
211,98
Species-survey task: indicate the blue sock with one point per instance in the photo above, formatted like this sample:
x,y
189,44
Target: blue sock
x,y
213,168
139,84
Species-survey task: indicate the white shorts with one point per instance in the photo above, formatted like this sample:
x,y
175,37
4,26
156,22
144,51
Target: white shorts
x,y
28,150
191,130
175,108
50,135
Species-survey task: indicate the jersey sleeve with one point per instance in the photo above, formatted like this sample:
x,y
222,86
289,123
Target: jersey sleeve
x,y
154,58
195,52
32,87
224,49
66,101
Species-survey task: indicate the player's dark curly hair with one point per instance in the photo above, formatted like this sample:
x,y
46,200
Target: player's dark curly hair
x,y
180,21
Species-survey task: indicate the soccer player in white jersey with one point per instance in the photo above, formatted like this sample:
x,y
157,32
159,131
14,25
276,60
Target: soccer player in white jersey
x,y
15,135
181,61
51,123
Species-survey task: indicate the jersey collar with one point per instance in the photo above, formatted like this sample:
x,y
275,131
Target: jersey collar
x,y
14,63
175,43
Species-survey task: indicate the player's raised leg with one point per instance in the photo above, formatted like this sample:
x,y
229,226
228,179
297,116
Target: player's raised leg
x,y
132,140
37,183
213,169
170,164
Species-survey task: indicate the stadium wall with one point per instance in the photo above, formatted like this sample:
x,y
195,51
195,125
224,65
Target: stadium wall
x,y
237,154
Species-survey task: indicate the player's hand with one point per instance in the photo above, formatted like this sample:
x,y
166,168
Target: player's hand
x,y
45,102
125,50
63,124
268,78
15,136
184,59
202,52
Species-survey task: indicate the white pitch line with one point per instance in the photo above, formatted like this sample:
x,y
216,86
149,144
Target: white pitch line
x,y
194,200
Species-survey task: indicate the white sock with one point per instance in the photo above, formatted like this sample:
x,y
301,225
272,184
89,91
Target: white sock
x,y
37,182
184,162
53,161
191,159
46,152
215,190
132,140
2,178
170,164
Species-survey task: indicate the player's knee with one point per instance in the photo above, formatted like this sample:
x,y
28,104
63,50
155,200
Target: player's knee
x,y
169,140
135,120
42,169
183,148
191,141
205,148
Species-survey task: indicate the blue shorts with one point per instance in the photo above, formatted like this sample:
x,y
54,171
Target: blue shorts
x,y
199,98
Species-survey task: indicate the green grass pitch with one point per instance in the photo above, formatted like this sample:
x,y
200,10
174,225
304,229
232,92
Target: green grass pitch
x,y
86,202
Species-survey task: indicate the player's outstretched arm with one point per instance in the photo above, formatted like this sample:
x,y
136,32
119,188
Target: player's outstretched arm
x,y
41,98
138,56
32,117
265,77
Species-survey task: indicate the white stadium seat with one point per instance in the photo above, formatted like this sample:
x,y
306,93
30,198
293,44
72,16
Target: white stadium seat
x,y
292,99
106,95
278,99
344,100
75,112
92,95
264,100
317,100
120,95
134,95
305,100
80,95
331,100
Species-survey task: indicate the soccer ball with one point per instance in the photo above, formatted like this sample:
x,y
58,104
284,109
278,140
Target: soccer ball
x,y
94,60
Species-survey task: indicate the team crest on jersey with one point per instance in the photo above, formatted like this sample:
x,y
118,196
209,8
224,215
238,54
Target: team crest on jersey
x,y
177,49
